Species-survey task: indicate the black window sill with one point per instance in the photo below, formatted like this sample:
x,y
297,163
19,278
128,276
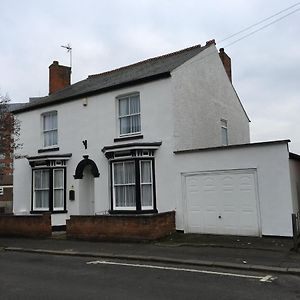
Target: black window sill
x,y
133,212
48,211
48,150
129,137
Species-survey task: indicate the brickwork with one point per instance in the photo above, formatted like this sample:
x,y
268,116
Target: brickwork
x,y
121,227
59,77
35,226
226,60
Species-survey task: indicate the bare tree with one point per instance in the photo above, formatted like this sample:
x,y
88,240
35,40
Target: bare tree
x,y
9,129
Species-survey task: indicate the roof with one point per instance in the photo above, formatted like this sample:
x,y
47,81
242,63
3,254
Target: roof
x,y
15,106
144,71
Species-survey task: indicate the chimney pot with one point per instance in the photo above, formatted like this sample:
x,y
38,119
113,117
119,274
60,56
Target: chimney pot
x,y
210,42
59,77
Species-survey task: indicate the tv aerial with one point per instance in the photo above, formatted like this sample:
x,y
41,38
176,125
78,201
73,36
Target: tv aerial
x,y
69,50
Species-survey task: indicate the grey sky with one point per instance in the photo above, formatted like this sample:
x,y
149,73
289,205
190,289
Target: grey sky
x,y
109,34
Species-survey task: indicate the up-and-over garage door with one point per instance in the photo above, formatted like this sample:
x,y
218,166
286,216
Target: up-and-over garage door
x,y
222,203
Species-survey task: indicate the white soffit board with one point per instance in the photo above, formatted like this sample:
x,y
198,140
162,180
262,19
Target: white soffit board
x,y
222,202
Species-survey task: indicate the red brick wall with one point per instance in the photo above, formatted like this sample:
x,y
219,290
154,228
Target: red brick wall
x,y
226,60
59,77
121,227
26,226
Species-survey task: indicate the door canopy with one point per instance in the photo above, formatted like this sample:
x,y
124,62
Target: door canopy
x,y
84,163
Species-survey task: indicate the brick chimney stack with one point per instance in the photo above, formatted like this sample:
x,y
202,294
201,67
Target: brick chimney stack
x,y
59,77
226,62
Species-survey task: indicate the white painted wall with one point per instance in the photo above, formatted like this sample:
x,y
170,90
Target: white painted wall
x,y
203,95
97,123
195,97
271,162
295,183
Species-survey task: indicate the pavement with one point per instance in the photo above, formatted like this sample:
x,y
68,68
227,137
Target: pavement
x,y
268,254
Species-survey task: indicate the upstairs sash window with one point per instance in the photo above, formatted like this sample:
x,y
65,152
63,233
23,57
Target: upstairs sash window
x,y
224,132
129,114
50,128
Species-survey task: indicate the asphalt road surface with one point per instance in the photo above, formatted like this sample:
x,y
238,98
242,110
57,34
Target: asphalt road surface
x,y
36,276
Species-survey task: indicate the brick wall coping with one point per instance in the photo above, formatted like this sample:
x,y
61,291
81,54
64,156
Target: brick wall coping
x,y
127,215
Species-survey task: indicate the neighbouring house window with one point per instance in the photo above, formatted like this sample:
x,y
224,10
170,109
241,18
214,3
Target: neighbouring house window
x,y
50,128
129,114
1,191
133,185
224,133
48,189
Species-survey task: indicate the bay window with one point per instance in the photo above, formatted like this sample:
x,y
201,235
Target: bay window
x,y
48,189
132,184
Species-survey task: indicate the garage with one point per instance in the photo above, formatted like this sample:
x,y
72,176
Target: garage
x,y
222,202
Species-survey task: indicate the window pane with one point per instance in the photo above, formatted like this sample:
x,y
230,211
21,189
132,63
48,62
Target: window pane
x,y
50,121
129,172
120,196
58,201
123,107
146,195
146,172
46,122
134,104
118,173
54,137
125,125
37,179
130,196
224,136
42,199
47,137
58,178
135,123
54,120
45,179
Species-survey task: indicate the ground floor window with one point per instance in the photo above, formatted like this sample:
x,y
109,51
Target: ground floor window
x,y
48,189
133,185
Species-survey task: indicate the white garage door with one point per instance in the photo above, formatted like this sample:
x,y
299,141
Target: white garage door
x,y
222,203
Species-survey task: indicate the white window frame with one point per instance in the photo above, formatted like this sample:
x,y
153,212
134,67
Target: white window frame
x,y
121,184
146,183
224,129
137,164
129,115
50,189
58,188
40,189
44,131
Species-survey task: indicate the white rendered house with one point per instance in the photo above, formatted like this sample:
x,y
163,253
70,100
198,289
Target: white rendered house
x,y
131,141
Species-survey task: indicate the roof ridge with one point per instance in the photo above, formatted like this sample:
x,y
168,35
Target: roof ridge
x,y
146,60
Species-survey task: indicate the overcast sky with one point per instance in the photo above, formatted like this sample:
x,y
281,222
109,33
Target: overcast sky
x,y
109,34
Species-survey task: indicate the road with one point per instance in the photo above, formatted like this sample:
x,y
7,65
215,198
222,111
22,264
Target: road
x,y
36,276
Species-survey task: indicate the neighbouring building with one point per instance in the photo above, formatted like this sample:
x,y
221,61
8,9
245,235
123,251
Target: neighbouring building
x,y
6,171
165,134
